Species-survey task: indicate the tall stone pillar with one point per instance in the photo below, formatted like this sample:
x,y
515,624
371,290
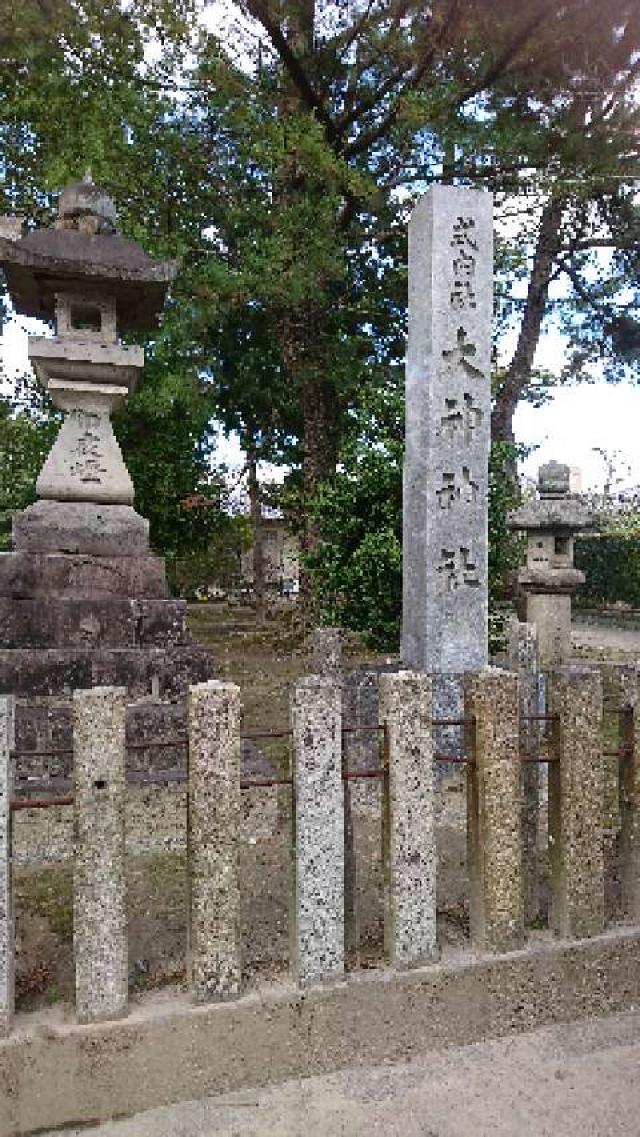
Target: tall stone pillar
x,y
448,403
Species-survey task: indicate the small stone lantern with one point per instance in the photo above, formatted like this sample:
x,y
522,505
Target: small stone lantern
x,y
549,579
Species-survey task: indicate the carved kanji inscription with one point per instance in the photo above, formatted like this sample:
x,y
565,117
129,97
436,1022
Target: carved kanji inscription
x,y
457,488
462,354
87,459
457,569
465,249
460,419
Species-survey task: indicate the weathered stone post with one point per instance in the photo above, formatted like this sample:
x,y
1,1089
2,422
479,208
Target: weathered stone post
x,y
619,695
325,651
7,935
214,820
576,804
523,659
448,404
628,699
494,829
99,879
317,949
409,845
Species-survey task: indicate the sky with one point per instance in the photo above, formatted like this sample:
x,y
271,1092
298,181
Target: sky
x,y
578,418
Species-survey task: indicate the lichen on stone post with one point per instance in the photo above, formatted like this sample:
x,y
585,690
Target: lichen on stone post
x,y
317,925
99,884
619,821
576,804
409,836
7,934
494,828
523,659
214,821
629,790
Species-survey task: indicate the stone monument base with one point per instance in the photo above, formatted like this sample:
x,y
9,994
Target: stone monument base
x,y
83,603
81,527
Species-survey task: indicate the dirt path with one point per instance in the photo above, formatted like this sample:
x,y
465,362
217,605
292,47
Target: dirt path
x,y
578,1080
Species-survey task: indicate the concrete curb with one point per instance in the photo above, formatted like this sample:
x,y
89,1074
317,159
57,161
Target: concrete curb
x,y
55,1073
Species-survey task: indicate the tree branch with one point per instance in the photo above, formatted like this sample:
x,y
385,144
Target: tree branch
x,y
260,12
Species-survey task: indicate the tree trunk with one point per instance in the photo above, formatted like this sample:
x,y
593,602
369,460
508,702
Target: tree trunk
x,y
518,374
258,554
308,370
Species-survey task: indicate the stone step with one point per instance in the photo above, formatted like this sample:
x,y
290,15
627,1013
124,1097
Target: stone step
x,y
61,621
76,575
166,672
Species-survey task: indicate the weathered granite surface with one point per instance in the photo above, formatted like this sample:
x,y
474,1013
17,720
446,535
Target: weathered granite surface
x,y
409,841
317,949
84,622
58,671
99,877
214,822
448,407
494,826
576,802
549,579
7,933
523,660
83,576
81,527
629,787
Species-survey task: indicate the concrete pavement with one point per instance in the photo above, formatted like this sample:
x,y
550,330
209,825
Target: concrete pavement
x,y
575,1080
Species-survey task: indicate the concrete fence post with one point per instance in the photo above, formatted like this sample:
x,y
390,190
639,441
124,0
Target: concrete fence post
x,y
494,829
576,804
409,836
99,879
317,949
7,935
214,823
523,659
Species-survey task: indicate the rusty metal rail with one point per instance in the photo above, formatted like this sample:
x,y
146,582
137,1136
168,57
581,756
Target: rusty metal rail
x,y
155,778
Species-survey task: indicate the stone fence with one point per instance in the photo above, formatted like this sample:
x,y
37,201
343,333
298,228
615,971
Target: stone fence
x,y
494,757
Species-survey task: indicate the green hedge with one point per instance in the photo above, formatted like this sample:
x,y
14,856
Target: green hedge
x,y
611,564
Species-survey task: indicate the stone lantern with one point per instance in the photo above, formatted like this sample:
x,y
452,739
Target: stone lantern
x,y
549,579
94,284
83,600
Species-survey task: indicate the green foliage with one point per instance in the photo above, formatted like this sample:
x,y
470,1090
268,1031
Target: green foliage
x,y
27,433
505,547
357,568
611,564
217,564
